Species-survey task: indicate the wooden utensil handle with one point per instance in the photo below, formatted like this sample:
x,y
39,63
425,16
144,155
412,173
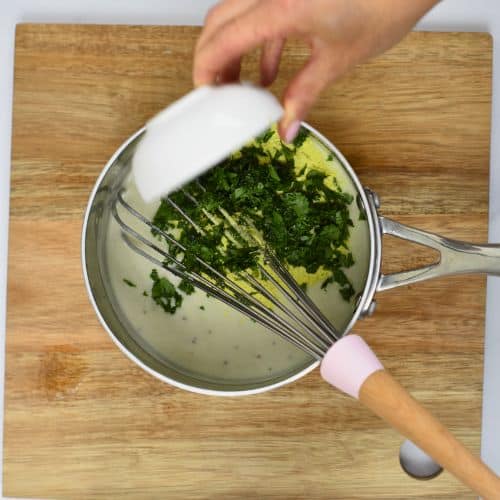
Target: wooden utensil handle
x,y
390,401
351,366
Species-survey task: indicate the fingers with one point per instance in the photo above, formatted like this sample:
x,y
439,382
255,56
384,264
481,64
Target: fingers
x,y
216,17
270,60
231,73
262,22
219,14
304,89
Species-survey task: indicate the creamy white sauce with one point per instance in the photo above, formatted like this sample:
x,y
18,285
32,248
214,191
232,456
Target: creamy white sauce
x,y
218,343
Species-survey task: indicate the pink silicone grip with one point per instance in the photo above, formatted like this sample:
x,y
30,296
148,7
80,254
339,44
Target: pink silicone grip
x,y
348,363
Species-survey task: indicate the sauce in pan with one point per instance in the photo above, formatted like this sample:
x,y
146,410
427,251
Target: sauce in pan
x,y
207,339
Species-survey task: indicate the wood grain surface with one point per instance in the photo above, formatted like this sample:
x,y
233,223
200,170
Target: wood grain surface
x,y
82,421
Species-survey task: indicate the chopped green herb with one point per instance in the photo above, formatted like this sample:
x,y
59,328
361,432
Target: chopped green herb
x,y
146,294
302,220
274,175
263,138
329,157
129,283
326,282
301,137
202,308
186,286
288,153
164,293
298,203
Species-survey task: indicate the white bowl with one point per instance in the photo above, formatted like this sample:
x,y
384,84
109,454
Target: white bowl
x,y
197,132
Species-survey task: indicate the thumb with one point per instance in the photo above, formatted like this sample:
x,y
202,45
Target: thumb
x,y
302,91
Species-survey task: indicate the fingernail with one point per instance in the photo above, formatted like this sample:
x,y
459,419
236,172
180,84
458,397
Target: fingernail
x,y
292,131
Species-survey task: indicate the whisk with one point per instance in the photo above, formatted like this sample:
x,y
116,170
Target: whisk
x,y
284,308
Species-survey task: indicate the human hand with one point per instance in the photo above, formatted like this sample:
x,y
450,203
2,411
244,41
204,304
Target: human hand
x,y
340,33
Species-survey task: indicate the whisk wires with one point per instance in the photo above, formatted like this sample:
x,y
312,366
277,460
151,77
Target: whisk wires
x,y
270,296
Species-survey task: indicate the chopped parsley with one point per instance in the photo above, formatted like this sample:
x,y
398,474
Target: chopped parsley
x,y
164,293
129,283
302,220
186,286
263,138
301,137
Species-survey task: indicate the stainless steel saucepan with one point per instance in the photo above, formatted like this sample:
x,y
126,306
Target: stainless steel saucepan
x,y
186,349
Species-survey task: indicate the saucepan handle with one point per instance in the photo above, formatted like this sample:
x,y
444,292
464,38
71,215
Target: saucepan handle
x,y
457,257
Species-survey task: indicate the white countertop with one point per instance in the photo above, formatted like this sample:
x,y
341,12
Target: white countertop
x,y
450,15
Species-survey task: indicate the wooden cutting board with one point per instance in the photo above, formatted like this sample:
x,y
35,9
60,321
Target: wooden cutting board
x,y
82,421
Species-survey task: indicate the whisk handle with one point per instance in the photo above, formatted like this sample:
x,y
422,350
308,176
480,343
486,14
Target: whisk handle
x,y
352,367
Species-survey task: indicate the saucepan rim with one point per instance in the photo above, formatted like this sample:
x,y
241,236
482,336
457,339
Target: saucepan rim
x,y
363,300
